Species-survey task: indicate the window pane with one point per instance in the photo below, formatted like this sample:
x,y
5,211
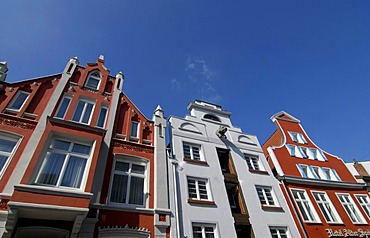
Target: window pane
x,y
3,160
63,108
19,101
93,82
102,116
134,128
74,172
122,166
119,188
82,149
138,169
78,112
136,191
62,145
7,146
87,114
52,166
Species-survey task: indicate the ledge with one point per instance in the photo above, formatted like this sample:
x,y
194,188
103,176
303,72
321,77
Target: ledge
x,y
200,162
201,202
125,208
52,191
258,171
320,182
272,208
77,125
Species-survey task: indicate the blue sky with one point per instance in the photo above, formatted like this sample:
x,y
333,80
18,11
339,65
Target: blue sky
x,y
255,58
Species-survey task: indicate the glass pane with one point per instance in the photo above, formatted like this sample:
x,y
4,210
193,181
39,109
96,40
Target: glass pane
x,y
82,149
102,116
18,102
6,145
63,108
137,191
137,169
61,145
3,160
51,169
119,188
78,112
93,82
74,172
122,166
87,114
134,128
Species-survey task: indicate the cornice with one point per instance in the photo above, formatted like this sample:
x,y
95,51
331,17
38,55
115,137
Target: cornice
x,y
321,183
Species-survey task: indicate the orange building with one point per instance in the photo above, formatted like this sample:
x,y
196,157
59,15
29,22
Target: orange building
x,y
78,158
324,197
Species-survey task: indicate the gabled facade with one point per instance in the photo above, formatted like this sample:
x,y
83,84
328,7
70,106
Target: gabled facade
x,y
361,171
322,194
220,183
78,159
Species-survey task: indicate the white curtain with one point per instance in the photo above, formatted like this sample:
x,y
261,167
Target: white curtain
x,y
74,172
52,166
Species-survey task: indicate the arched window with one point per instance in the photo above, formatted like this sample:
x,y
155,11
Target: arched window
x,y
93,80
212,117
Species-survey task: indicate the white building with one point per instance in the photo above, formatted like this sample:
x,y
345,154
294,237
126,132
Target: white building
x,y
220,182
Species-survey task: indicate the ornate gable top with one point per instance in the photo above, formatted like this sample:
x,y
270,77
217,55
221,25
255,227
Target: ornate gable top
x,y
284,116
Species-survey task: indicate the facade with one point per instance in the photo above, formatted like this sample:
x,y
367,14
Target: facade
x,y
78,158
361,171
219,181
324,197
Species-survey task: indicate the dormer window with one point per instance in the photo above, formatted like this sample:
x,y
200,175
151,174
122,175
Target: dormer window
x,y
212,117
297,137
93,80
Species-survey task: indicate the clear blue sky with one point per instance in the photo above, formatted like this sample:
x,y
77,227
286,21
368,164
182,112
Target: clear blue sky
x,y
255,58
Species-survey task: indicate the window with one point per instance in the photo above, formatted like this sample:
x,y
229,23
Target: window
x,y
316,154
102,117
93,80
63,107
305,206
326,207
316,172
265,195
64,164
297,137
128,182
8,145
212,117
351,208
197,189
365,203
252,162
83,111
19,100
191,151
134,129
295,151
204,230
279,232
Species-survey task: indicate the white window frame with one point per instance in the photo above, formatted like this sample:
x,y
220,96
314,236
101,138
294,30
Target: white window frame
x,y
297,137
278,232
327,208
198,189
11,104
253,162
351,209
306,205
192,151
308,171
203,227
137,129
105,117
86,101
295,150
92,76
316,154
364,201
13,138
68,154
264,190
131,161
67,97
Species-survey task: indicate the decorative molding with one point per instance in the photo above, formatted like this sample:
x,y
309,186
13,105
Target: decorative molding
x,y
126,146
118,231
16,123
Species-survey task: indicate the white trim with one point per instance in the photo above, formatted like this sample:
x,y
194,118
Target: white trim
x,y
358,215
335,214
306,198
366,204
9,136
208,188
265,197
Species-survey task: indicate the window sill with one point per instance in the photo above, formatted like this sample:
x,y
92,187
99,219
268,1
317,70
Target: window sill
x,y
52,190
258,171
201,202
135,139
272,208
148,142
200,162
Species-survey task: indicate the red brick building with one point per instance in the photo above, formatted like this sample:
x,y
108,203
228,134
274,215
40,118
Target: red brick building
x,y
323,196
78,158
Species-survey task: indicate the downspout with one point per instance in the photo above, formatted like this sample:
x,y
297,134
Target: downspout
x,y
294,209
